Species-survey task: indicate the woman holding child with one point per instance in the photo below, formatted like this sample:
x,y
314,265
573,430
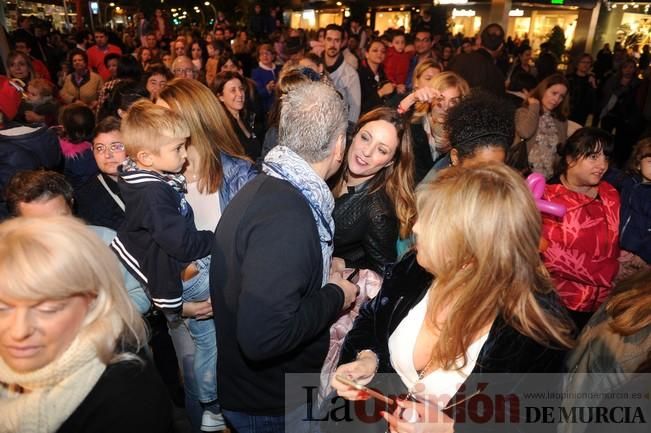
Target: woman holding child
x,y
215,170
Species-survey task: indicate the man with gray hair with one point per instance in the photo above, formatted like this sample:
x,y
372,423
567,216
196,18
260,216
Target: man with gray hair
x,y
272,292
182,67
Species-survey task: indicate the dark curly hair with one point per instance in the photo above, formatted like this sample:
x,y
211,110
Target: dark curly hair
x,y
478,121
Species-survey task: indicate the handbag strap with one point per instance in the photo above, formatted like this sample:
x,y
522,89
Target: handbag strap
x,y
115,197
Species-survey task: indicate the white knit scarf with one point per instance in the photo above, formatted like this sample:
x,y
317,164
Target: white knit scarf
x,y
52,393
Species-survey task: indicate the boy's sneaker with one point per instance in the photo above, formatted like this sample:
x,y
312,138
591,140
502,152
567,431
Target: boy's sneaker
x,y
211,421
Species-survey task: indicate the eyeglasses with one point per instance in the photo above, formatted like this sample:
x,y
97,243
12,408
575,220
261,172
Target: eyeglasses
x,y
187,71
112,148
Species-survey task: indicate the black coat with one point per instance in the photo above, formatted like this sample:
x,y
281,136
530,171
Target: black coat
x,y
423,161
583,98
479,70
370,83
96,206
128,398
271,312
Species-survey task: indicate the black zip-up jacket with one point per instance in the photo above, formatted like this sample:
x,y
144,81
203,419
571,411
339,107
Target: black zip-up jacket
x,y
158,238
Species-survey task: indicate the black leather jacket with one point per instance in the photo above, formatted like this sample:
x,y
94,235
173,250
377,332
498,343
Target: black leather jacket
x,y
366,229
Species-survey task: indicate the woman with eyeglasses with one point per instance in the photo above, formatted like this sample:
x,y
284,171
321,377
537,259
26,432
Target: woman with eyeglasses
x,y
98,201
430,106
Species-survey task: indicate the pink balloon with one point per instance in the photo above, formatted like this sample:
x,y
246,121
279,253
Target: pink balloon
x,y
536,183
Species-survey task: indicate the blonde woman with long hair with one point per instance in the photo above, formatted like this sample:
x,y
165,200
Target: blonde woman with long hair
x,y
474,299
427,108
70,336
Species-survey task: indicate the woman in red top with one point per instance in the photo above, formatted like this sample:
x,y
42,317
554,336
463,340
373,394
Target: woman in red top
x,y
583,246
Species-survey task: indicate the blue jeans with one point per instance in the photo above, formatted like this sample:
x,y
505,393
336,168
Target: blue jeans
x,y
184,348
293,422
203,334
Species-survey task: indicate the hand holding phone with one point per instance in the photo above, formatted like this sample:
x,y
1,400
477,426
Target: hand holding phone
x,y
363,388
354,276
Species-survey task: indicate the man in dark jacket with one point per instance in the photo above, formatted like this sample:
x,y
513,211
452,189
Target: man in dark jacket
x,y
478,68
272,293
26,148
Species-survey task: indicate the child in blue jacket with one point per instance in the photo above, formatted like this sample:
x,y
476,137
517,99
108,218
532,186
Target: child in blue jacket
x,y
635,190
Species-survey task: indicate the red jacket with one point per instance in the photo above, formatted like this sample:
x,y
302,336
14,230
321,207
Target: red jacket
x,y
96,59
396,65
583,246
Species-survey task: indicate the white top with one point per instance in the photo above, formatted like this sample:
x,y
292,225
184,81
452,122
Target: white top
x,y
206,208
440,385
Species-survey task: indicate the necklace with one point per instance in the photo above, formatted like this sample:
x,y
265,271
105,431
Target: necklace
x,y
416,388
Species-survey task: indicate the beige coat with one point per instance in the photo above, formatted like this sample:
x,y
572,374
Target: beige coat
x,y
87,93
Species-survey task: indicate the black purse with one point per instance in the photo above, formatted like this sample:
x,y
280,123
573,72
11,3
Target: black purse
x,y
518,157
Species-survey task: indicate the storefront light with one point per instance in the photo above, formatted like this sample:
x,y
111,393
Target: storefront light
x,y
516,13
463,13
625,7
450,2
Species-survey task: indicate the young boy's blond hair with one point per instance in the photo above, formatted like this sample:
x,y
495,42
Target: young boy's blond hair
x,y
147,126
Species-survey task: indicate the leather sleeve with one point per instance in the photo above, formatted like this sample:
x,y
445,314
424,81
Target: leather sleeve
x,y
379,242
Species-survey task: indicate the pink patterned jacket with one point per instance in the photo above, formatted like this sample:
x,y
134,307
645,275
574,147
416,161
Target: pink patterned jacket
x,y
583,246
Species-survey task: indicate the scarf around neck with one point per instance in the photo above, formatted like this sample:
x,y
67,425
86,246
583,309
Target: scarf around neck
x,y
336,64
41,401
175,180
283,163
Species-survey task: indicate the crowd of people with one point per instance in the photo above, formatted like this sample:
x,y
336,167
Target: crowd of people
x,y
266,201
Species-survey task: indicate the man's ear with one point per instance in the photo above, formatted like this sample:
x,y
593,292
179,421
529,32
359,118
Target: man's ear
x,y
340,148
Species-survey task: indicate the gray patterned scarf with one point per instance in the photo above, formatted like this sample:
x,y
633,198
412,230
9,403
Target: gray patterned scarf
x,y
283,163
